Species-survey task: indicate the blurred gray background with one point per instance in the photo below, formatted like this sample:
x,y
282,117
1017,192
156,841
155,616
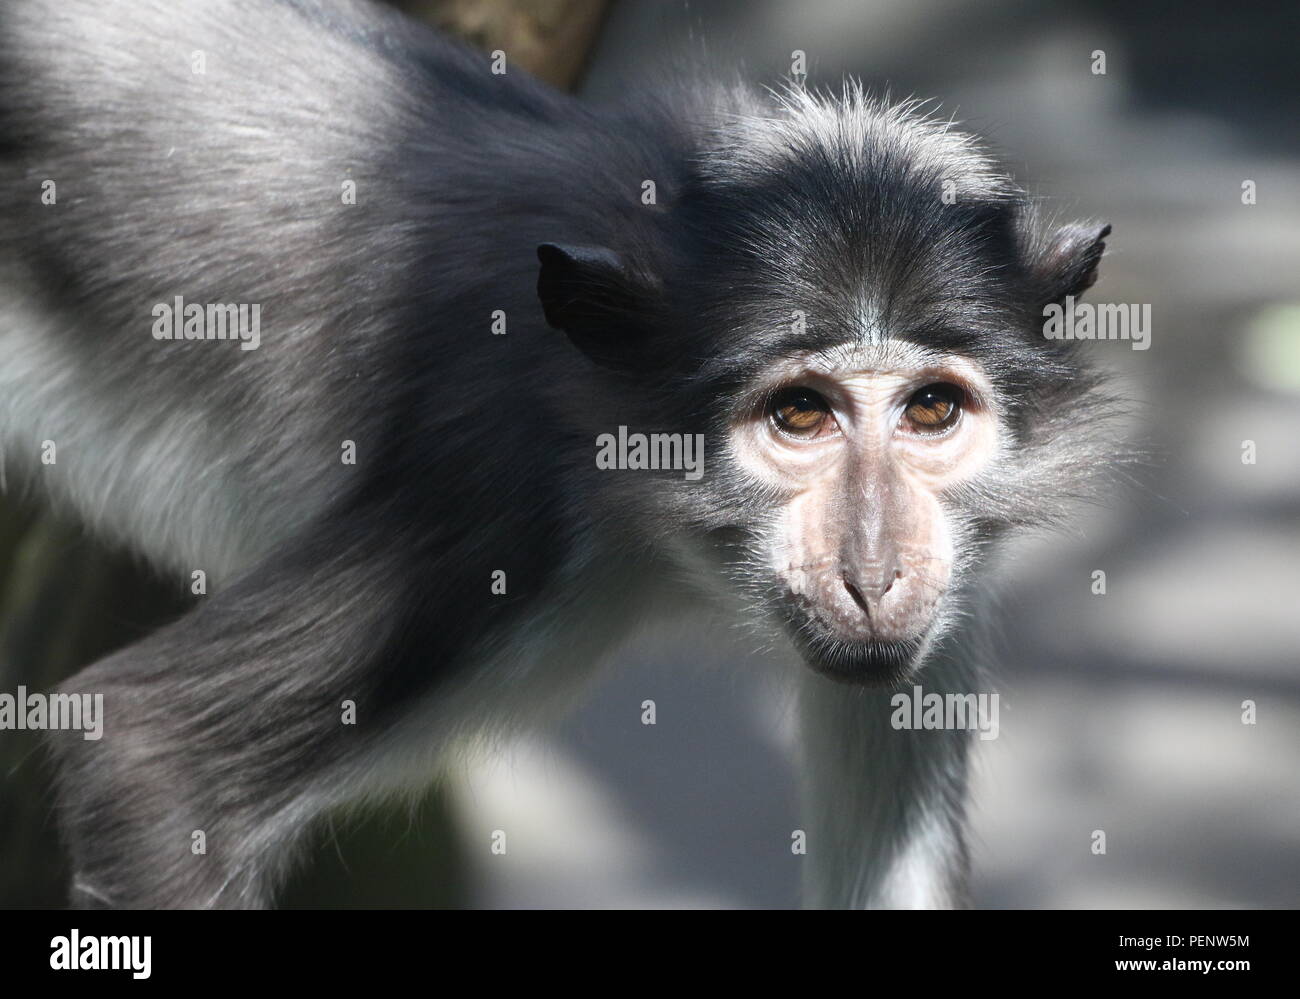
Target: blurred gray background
x,y
1120,712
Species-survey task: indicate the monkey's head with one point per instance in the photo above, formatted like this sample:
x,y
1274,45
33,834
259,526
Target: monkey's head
x,y
847,300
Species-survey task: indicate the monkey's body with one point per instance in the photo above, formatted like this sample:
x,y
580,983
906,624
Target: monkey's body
x,y
226,186
372,582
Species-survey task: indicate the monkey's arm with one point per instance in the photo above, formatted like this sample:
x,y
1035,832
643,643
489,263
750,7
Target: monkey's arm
x,y
226,731
884,807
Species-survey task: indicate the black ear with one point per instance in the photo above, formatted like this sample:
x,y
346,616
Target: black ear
x,y
591,294
1069,266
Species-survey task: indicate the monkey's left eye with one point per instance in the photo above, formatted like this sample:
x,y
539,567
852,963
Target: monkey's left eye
x,y
801,412
935,408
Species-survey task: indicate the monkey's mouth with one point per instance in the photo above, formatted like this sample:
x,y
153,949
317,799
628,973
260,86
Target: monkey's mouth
x,y
848,652
870,663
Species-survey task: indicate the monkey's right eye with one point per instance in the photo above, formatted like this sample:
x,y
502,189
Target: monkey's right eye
x,y
801,412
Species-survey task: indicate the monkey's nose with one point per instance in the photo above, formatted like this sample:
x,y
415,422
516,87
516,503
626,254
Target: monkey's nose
x,y
868,589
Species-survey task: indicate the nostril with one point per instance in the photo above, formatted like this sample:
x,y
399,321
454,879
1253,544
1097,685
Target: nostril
x,y
898,574
857,597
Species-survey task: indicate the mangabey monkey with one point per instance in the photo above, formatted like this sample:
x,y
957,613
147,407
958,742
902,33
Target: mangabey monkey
x,y
862,354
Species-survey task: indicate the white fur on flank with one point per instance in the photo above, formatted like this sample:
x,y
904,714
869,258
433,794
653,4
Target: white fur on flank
x,y
156,480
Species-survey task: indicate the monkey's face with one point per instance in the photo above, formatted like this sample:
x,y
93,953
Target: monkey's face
x,y
862,446
871,351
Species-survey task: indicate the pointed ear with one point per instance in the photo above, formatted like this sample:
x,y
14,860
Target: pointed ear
x,y
1069,264
589,293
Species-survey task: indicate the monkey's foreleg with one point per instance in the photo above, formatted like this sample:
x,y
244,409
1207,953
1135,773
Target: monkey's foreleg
x,y
884,807
224,734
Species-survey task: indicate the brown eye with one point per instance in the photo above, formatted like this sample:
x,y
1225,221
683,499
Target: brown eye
x,y
800,412
934,408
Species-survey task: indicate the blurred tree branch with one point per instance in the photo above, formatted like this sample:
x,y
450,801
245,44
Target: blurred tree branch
x,y
549,38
